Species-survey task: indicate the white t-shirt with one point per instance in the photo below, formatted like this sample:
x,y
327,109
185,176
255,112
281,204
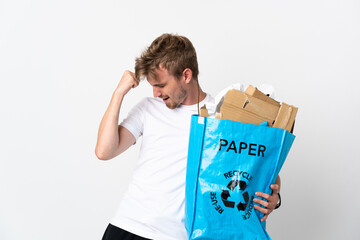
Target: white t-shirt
x,y
154,205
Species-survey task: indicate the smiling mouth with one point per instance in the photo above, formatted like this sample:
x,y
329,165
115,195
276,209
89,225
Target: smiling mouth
x,y
165,99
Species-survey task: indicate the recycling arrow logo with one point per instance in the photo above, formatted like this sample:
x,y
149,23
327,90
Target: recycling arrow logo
x,y
241,206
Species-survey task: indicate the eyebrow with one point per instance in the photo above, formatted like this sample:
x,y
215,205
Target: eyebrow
x,y
159,84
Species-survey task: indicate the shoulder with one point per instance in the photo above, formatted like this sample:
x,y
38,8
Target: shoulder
x,y
148,103
145,101
151,101
209,98
209,102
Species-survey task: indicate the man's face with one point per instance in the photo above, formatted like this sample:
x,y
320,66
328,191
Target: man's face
x,y
170,89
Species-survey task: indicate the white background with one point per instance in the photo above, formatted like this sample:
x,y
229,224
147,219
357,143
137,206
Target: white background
x,y
60,62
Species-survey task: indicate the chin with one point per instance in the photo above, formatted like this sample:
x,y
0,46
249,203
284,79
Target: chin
x,y
172,105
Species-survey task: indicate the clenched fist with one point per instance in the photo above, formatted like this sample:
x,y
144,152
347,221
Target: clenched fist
x,y
127,82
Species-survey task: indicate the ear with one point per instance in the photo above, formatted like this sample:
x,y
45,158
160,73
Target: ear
x,y
187,75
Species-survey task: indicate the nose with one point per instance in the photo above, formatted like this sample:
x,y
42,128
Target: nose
x,y
156,92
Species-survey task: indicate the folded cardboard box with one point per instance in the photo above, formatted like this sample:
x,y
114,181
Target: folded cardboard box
x,y
255,107
252,106
230,112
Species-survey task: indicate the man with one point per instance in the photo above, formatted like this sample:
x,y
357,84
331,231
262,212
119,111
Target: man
x,y
153,206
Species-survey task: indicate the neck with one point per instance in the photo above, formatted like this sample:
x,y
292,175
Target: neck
x,y
195,94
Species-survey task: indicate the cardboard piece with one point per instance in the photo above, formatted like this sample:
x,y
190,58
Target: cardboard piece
x,y
204,112
252,104
233,113
286,117
254,92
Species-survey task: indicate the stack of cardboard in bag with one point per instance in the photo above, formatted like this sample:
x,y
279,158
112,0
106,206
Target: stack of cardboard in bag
x,y
253,106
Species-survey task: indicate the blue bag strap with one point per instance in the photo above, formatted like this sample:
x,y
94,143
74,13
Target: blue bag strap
x,y
197,133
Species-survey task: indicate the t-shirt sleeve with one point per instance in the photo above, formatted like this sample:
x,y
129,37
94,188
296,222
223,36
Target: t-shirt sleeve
x,y
134,122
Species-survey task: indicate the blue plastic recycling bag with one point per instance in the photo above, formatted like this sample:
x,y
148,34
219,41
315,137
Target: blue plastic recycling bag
x,y
227,163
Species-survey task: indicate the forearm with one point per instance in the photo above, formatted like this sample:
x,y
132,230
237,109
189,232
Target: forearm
x,y
108,136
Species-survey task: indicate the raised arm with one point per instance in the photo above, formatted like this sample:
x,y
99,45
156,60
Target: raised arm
x,y
112,138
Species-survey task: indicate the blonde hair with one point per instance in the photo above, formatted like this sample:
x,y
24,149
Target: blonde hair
x,y
173,52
